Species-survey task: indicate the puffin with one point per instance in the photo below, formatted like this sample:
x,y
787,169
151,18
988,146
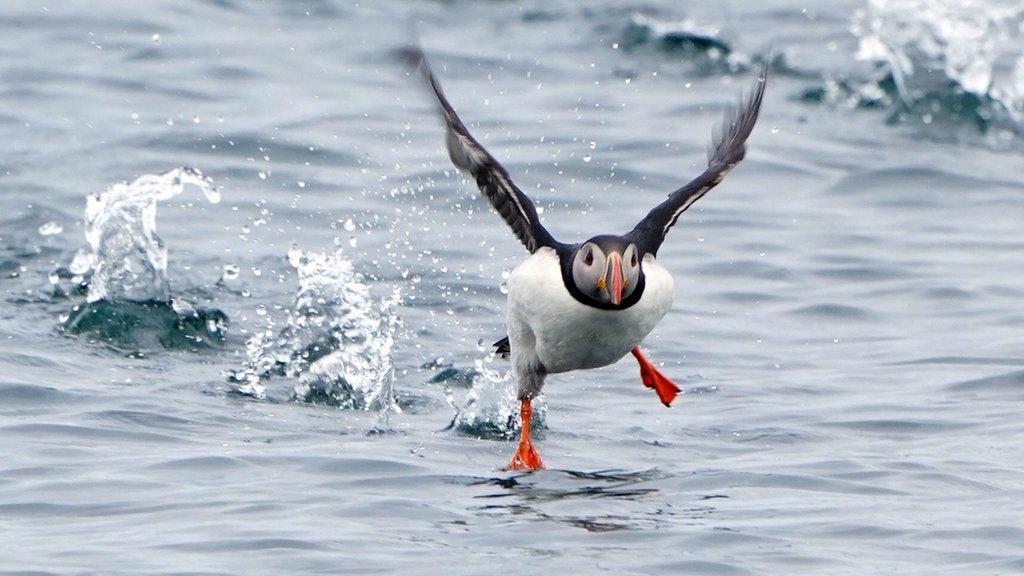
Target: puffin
x,y
578,306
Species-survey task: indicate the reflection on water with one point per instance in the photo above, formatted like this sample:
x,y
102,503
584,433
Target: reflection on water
x,y
529,494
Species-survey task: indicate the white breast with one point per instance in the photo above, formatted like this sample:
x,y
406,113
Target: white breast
x,y
546,324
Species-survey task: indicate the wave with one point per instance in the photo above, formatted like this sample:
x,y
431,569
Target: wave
x,y
686,38
136,327
936,59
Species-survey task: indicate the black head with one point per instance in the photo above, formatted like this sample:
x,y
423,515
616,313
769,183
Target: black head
x,y
606,271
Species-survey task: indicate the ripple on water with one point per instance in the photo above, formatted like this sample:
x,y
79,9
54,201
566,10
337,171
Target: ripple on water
x,y
948,293
201,464
834,311
773,436
745,269
144,419
74,434
920,186
726,481
876,272
894,426
748,297
32,395
240,146
1009,382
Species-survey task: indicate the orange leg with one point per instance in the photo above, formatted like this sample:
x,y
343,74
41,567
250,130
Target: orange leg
x,y
653,379
526,457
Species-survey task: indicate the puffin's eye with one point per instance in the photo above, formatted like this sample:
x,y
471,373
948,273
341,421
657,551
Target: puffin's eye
x,y
632,261
588,258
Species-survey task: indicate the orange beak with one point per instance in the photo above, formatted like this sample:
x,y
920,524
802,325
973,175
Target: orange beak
x,y
614,281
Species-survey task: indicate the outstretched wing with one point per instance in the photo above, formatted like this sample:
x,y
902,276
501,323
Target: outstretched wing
x,y
491,177
725,152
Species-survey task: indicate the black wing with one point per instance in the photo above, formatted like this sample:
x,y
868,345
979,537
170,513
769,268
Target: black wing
x,y
725,152
468,155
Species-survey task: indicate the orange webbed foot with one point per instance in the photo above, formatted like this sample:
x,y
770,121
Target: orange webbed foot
x,y
526,456
652,378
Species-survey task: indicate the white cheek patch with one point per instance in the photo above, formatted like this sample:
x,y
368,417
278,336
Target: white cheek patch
x,y
586,277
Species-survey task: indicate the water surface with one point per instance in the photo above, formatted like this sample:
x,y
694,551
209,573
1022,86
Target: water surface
x,y
847,324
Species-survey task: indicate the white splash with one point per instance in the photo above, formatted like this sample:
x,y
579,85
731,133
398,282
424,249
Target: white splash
x,y
336,342
926,44
490,409
128,260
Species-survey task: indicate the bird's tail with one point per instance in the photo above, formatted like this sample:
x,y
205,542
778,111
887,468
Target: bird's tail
x,y
503,347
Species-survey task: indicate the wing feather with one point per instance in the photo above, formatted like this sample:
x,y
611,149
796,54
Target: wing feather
x,y
492,179
726,150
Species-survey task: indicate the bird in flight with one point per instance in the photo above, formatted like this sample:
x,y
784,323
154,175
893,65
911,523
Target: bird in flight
x,y
585,305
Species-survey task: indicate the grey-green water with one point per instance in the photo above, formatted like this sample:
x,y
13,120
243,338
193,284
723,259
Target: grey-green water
x,y
847,325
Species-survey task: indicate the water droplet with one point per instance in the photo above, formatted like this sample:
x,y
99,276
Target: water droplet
x,y
261,310
301,184
155,38
230,272
294,256
349,225
262,175
51,228
587,158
